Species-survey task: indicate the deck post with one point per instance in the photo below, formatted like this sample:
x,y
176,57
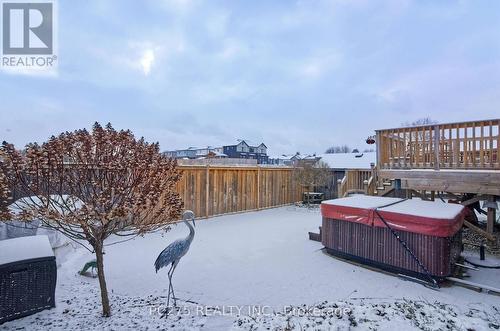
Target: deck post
x,y
409,194
378,143
491,216
436,147
373,170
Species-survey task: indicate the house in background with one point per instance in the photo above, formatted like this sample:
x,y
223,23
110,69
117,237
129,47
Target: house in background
x,y
210,152
308,160
243,150
196,153
285,160
282,160
189,153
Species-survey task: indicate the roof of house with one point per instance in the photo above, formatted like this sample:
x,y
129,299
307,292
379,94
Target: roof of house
x,y
219,154
244,142
349,160
311,157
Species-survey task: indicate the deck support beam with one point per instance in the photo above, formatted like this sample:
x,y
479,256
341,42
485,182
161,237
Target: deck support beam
x,y
486,182
491,216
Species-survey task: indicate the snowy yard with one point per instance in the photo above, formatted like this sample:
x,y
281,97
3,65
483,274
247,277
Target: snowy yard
x,y
257,264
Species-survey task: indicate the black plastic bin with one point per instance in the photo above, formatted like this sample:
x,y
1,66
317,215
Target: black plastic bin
x,y
28,274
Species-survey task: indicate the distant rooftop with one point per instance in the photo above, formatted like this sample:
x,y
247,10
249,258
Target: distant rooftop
x,y
349,160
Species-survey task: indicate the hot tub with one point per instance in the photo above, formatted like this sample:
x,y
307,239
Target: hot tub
x,y
28,275
352,229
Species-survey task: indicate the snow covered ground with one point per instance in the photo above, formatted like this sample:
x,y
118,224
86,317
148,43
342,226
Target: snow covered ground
x,y
255,271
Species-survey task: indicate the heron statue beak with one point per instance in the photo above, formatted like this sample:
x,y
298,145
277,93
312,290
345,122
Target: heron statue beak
x,y
194,224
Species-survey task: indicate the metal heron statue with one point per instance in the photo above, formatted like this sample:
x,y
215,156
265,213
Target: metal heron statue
x,y
173,253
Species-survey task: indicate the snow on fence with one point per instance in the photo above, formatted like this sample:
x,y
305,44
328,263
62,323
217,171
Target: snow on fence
x,y
216,190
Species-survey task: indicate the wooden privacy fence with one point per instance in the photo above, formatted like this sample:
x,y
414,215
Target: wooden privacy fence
x,y
216,190
465,145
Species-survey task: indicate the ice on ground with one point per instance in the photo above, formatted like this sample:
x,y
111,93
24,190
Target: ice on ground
x,y
255,259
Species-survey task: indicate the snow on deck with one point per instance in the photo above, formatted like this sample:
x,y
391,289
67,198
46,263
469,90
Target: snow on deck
x,y
253,259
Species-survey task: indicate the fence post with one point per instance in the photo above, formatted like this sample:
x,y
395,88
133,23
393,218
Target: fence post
x,y
207,191
258,187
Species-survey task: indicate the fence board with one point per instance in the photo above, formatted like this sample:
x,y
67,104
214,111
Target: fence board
x,y
217,190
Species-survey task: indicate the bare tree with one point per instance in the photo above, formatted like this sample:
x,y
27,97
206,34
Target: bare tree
x,y
338,149
312,175
420,122
90,185
425,121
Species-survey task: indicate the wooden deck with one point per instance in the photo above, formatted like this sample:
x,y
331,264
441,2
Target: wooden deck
x,y
454,157
465,145
458,158
456,181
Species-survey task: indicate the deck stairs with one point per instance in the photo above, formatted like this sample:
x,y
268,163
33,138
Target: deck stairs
x,y
386,188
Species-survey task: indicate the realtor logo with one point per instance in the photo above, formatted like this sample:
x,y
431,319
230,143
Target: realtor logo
x,y
28,30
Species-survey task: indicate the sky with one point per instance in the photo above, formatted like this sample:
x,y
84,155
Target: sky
x,y
296,75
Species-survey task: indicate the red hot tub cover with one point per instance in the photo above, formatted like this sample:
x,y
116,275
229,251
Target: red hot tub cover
x,y
431,218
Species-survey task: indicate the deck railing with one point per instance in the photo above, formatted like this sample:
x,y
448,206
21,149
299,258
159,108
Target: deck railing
x,y
355,181
465,145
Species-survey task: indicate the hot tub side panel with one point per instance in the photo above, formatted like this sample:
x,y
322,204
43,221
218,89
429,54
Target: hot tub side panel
x,y
378,246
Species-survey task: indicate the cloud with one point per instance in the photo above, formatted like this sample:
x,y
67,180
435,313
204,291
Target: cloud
x,y
291,70
232,48
222,92
42,72
443,89
147,60
143,55
216,23
181,7
318,66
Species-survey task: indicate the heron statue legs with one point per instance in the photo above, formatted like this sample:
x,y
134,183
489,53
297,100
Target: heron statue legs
x,y
170,286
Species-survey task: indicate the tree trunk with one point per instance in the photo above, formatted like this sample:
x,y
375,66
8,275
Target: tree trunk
x,y
106,310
